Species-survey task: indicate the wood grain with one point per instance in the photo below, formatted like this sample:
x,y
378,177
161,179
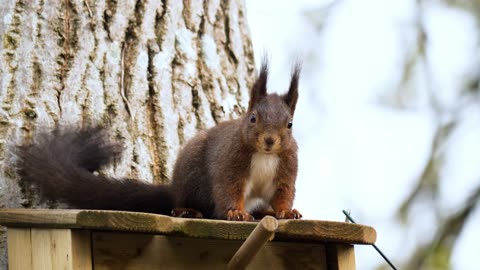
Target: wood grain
x,y
326,231
60,249
340,257
264,232
288,230
19,248
346,257
134,251
49,249
81,249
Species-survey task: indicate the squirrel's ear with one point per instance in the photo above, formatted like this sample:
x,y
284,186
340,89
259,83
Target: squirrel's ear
x,y
259,89
292,96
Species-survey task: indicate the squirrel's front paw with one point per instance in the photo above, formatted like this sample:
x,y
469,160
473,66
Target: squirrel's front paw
x,y
186,213
239,215
288,214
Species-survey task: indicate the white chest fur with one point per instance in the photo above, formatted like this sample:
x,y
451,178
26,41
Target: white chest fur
x,y
260,186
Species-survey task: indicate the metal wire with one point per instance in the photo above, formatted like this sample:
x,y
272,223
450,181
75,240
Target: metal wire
x,y
347,215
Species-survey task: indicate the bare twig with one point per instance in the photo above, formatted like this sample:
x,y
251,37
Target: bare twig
x,y
89,10
122,82
445,235
428,180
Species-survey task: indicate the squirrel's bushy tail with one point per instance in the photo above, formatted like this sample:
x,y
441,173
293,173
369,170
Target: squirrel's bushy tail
x,y
61,164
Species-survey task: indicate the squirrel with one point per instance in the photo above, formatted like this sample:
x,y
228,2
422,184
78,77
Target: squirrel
x,y
236,170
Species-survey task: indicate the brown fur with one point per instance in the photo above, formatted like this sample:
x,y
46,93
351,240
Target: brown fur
x,y
211,173
61,165
212,169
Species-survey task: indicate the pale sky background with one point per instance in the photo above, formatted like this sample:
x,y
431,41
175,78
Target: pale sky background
x,y
356,152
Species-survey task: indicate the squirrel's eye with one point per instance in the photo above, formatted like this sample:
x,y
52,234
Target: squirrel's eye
x,y
253,118
290,124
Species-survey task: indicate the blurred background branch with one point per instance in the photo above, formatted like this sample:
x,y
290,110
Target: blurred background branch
x,y
436,253
391,108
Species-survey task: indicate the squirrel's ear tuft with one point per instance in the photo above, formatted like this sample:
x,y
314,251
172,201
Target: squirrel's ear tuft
x,y
259,89
292,96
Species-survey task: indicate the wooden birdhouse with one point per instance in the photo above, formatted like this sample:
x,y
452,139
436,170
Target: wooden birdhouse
x,y
87,239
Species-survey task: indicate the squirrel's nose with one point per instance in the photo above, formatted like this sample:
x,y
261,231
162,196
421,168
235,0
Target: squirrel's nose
x,y
269,141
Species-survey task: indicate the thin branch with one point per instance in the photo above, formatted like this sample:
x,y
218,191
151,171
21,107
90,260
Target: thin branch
x,y
429,175
446,235
428,179
89,9
122,83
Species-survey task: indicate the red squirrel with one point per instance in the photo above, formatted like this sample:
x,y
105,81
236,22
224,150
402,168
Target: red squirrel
x,y
235,170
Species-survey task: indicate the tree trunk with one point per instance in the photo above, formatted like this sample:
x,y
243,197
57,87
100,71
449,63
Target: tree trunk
x,y
154,71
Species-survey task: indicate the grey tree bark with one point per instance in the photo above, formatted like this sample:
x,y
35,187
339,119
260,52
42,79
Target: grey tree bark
x,y
153,71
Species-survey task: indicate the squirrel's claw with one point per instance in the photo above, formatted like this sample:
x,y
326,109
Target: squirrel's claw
x,y
239,215
186,213
288,214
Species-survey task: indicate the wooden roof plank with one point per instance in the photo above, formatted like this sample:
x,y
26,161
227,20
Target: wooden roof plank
x,y
288,230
